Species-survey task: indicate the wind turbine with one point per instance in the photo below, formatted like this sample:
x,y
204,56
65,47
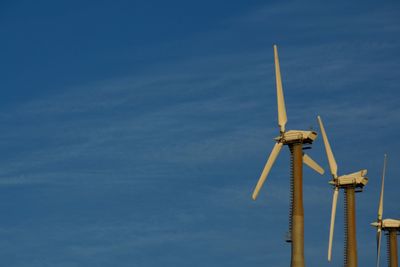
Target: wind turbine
x,y
351,183
389,225
294,139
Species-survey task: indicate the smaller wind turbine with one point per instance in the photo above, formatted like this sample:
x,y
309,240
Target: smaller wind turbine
x,y
349,182
390,225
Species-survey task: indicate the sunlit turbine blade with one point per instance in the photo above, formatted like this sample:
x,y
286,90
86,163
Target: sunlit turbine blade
x,y
282,119
272,157
380,209
329,154
332,227
378,246
312,164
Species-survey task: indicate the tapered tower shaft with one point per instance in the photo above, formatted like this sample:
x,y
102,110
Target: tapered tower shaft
x,y
297,234
393,260
350,228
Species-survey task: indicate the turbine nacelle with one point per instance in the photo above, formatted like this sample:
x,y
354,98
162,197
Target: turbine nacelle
x,y
386,224
294,136
357,179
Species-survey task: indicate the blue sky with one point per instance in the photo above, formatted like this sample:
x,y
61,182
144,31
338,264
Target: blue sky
x,y
133,132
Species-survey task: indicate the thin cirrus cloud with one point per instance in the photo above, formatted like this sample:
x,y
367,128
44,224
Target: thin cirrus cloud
x,y
126,118
162,161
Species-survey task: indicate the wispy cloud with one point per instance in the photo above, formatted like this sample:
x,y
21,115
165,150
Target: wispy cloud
x,y
172,153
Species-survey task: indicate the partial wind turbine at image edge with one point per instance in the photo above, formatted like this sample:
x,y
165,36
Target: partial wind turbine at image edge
x,y
391,226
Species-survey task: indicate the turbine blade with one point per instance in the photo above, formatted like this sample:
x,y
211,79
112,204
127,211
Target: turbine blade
x,y
312,164
329,154
282,119
380,214
380,209
272,157
332,227
378,246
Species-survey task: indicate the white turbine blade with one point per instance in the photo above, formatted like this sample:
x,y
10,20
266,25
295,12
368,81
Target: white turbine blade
x,y
380,209
282,119
272,157
378,246
329,154
332,227
380,214
312,164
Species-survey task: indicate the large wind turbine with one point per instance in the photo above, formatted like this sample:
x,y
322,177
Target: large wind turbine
x,y
391,226
295,140
348,182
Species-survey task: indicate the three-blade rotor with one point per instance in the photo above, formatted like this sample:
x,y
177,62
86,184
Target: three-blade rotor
x,y
380,214
282,120
333,168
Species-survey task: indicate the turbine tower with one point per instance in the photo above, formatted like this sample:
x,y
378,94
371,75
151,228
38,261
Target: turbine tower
x,y
294,139
351,183
391,226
